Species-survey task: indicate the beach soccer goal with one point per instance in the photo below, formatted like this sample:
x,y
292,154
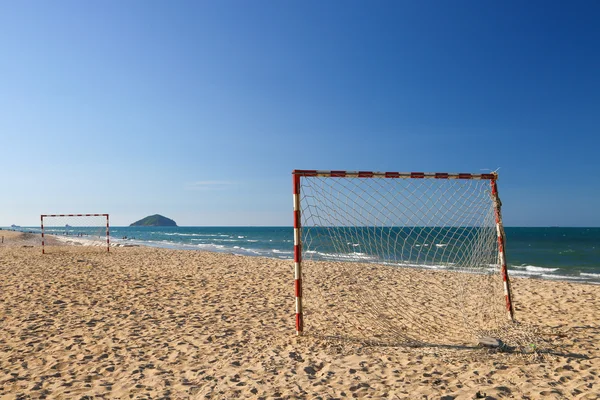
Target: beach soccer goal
x,y
86,231
400,258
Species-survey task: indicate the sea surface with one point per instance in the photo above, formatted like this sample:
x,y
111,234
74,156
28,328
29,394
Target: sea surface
x,y
570,254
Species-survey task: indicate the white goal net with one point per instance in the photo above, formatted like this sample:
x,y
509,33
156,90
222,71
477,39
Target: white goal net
x,y
63,232
399,258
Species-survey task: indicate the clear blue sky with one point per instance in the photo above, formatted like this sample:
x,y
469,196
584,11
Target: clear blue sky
x,y
200,110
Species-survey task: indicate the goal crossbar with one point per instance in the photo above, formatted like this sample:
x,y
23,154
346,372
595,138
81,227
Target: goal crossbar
x,y
300,175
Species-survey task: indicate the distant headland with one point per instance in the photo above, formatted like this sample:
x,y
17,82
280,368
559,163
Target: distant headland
x,y
154,220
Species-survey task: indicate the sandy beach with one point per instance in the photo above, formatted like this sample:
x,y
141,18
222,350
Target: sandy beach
x,y
143,323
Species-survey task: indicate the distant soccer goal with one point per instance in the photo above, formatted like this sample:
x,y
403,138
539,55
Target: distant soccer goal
x,y
88,231
399,258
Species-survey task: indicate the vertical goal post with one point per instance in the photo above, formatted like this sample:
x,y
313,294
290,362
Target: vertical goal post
x,y
310,209
100,228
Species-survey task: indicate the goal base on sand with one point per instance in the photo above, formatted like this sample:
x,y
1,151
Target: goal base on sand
x,y
488,341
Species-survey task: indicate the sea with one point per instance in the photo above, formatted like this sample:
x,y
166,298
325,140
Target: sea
x,y
557,253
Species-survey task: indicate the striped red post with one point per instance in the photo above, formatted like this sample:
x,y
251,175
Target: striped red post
x,y
297,254
107,235
501,248
42,222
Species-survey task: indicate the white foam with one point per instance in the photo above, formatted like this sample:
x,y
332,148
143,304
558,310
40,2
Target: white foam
x,y
79,241
219,246
589,274
427,266
281,251
187,234
533,268
346,256
525,273
246,251
440,245
412,265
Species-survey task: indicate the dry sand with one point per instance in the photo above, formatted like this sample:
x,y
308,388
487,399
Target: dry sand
x,y
154,323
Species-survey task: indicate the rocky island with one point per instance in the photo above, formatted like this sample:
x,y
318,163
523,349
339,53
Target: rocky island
x,y
154,220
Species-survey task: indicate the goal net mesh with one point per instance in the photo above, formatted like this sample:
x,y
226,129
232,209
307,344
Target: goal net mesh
x,y
411,261
85,232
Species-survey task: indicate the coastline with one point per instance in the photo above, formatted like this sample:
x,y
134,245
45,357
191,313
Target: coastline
x,y
145,321
537,260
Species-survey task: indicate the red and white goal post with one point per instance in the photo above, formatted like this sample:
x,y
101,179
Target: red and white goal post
x,y
362,238
89,230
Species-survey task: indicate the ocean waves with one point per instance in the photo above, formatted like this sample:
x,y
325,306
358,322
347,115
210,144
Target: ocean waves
x,y
538,261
